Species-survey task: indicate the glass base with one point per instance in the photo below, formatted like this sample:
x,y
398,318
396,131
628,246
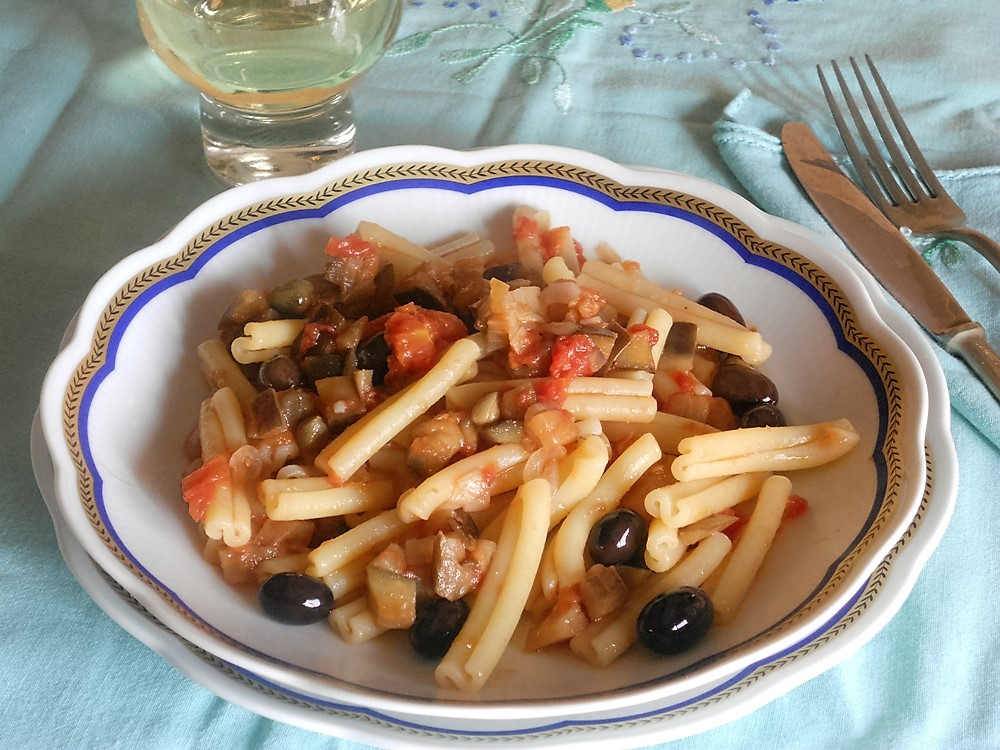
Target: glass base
x,y
243,146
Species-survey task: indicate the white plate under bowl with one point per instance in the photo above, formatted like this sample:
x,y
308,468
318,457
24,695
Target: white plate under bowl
x,y
682,715
118,401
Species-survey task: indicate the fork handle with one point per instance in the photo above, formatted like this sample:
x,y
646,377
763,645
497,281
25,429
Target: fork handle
x,y
987,247
971,345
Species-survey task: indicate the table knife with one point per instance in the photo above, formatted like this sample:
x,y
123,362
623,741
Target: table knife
x,y
892,260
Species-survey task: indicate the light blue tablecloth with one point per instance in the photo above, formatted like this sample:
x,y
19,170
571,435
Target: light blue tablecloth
x,y
100,154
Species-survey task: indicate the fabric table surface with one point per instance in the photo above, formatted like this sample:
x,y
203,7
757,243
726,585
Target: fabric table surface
x,y
101,155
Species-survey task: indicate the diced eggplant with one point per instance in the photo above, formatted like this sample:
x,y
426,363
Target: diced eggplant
x,y
249,305
706,363
339,400
501,433
486,410
421,298
680,346
709,410
505,273
635,354
392,558
296,404
317,367
391,597
603,591
566,620
266,415
603,339
382,299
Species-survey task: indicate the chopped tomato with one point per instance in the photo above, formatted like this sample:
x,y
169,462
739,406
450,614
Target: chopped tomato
x,y
375,326
418,338
573,356
349,247
554,240
532,359
198,487
525,229
311,333
795,507
578,248
631,266
640,330
552,391
686,382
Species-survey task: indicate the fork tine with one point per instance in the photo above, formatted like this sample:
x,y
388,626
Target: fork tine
x,y
874,155
923,169
898,160
857,159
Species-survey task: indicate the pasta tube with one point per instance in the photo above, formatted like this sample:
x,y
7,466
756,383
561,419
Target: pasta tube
x,y
754,542
668,429
606,640
359,442
497,610
663,546
725,336
555,269
611,408
465,396
441,487
349,578
227,408
210,434
685,503
661,322
219,370
571,538
405,256
242,353
354,622
365,537
273,334
763,449
330,501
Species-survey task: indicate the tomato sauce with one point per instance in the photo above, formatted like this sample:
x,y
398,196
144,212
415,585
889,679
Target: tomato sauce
x,y
418,338
572,356
350,246
552,391
198,487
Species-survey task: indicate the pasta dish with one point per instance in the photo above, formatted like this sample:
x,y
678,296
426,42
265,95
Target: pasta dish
x,y
470,440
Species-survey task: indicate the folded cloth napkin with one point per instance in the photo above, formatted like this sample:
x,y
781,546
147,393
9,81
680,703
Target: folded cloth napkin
x,y
746,139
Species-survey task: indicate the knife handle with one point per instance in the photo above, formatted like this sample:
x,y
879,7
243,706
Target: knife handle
x,y
971,345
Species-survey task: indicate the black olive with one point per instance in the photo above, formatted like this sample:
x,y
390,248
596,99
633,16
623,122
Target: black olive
x,y
674,622
280,373
319,366
438,622
373,355
618,539
293,297
743,387
295,599
722,305
766,415
507,272
421,298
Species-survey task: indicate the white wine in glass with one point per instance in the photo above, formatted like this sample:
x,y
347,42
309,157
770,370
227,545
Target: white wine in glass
x,y
274,75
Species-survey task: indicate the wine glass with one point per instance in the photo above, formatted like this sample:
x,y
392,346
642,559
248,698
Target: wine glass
x,y
274,75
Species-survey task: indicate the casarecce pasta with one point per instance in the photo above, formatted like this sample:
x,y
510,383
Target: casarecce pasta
x,y
481,436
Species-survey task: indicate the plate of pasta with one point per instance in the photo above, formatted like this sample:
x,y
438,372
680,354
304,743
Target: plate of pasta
x,y
517,431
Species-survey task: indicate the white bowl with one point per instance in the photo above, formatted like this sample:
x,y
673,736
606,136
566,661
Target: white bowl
x,y
120,398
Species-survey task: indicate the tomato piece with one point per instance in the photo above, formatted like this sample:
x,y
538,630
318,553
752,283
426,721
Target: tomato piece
x,y
532,360
572,356
552,391
375,326
198,488
418,337
311,333
349,247
795,507
525,229
578,248
686,382
641,330
554,240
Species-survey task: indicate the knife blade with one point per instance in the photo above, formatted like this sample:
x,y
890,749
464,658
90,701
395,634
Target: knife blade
x,y
877,243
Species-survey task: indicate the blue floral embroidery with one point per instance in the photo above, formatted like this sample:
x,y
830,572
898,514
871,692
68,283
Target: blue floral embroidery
x,y
537,45
534,33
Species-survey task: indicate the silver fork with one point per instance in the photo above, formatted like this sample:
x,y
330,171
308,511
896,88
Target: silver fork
x,y
909,197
